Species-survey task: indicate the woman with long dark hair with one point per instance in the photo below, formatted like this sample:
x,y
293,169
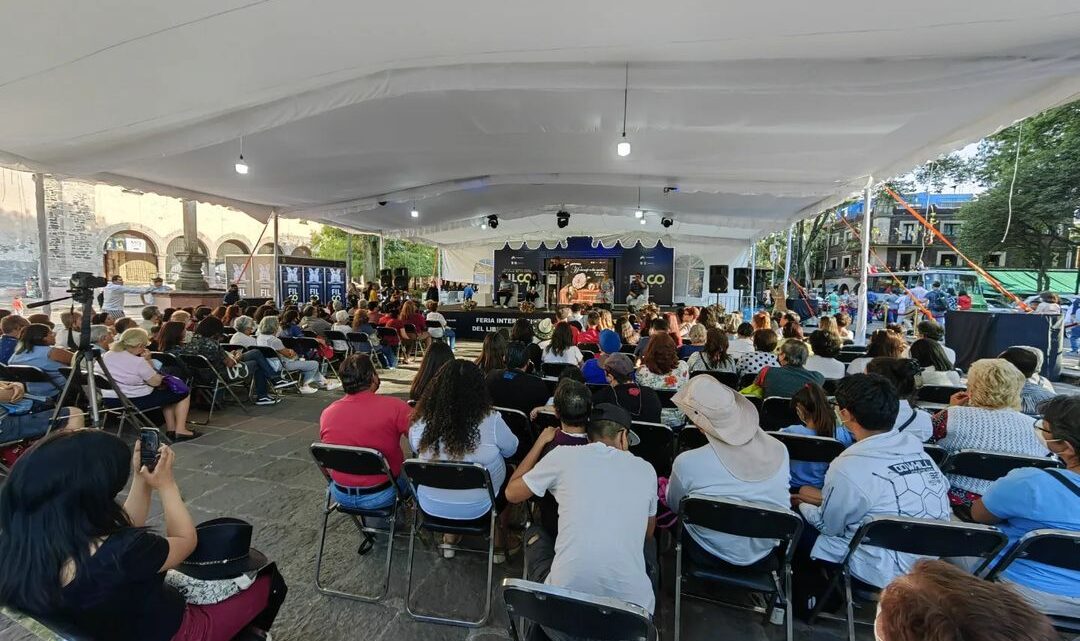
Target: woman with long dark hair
x,y
522,331
70,552
882,343
935,364
818,417
454,421
37,348
170,337
561,349
714,356
435,357
232,312
902,373
493,353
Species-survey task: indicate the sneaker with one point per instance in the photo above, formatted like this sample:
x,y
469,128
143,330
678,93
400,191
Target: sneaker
x,y
307,389
332,385
266,400
447,551
282,383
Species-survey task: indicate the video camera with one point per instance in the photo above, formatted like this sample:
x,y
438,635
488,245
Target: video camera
x,y
86,280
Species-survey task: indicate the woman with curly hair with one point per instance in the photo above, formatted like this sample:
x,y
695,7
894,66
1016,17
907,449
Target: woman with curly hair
x,y
662,369
606,320
493,353
454,421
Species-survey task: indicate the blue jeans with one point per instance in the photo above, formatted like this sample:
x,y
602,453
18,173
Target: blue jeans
x,y
370,501
1074,338
450,337
261,370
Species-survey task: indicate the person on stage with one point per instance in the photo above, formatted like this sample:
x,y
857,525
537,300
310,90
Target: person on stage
x,y
639,292
531,293
504,292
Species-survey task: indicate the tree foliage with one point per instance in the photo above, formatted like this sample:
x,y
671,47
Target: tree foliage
x,y
332,243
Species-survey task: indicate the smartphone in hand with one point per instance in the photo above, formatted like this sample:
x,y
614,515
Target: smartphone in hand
x,y
149,442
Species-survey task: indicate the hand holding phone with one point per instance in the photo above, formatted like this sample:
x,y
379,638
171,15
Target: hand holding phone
x,y
149,444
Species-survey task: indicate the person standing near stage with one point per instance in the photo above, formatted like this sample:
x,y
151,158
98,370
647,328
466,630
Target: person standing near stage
x,y
112,299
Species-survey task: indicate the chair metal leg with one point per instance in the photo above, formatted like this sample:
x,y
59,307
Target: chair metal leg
x,y
678,588
444,620
364,532
788,598
850,606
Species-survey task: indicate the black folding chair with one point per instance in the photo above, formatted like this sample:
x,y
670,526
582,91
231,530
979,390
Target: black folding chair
x,y
387,335
335,336
228,331
746,380
628,349
731,379
810,449
311,346
271,355
923,537
576,614
587,355
102,384
937,393
446,475
937,453
554,369
830,386
770,576
519,424
689,438
361,343
848,357
589,347
414,335
990,466
356,460
657,445
1056,548
308,333
199,363
776,412
29,374
853,348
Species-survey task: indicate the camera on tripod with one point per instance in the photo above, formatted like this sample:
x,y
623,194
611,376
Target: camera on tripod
x,y
83,284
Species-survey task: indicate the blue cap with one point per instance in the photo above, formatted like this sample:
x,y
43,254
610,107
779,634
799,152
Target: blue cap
x,y
609,341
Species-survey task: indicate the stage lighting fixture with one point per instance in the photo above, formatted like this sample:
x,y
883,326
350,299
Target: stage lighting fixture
x,y
493,221
642,221
562,219
623,148
241,166
415,213
666,222
483,225
639,214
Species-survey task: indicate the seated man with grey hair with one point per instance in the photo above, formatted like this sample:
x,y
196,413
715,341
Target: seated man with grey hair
x,y
267,337
100,337
151,319
792,374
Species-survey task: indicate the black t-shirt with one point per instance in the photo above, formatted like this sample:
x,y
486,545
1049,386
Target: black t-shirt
x,y
516,390
120,593
642,402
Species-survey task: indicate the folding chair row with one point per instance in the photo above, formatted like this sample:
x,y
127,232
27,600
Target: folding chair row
x,y
731,379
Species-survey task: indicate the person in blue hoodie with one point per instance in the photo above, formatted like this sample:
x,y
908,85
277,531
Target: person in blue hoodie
x,y
885,472
593,369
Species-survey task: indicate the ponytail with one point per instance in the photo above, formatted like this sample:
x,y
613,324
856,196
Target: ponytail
x,y
819,411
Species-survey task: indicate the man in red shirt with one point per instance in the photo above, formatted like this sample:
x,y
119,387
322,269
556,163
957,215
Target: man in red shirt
x,y
364,419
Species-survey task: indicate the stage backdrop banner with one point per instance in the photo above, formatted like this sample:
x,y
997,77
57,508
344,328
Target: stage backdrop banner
x,y
656,264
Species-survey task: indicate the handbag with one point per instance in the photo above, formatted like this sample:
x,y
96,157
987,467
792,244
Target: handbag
x,y
174,384
20,407
237,372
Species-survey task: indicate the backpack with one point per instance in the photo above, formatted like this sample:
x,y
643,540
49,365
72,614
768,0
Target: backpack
x,y
936,301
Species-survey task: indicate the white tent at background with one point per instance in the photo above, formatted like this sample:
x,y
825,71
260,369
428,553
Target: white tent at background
x,y
760,113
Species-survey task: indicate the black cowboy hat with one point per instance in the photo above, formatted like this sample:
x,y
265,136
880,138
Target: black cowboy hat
x,y
224,551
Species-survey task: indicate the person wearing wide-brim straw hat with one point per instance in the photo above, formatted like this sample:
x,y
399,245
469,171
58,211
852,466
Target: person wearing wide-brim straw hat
x,y
739,462
543,330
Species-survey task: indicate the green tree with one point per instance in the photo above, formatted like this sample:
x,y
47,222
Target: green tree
x,y
331,243
1045,198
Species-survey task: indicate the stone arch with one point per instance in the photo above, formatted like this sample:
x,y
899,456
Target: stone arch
x,y
240,239
106,233
301,251
138,264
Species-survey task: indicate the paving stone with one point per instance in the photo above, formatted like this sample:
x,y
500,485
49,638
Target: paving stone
x,y
231,493
249,442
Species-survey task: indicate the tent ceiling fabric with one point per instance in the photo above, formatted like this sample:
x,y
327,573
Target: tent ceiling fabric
x,y
759,113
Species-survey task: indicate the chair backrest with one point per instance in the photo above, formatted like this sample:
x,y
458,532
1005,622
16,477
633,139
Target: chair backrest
x,y
335,335
847,357
544,420
689,438
811,449
27,374
410,329
576,614
830,386
937,393
554,369
348,459
990,466
306,344
937,453
1059,548
358,337
448,475
628,349
592,347
746,380
289,342
384,332
853,348
587,355
310,333
576,324
742,518
196,361
657,445
228,331
81,379
776,413
268,352
930,538
731,379
665,397
519,424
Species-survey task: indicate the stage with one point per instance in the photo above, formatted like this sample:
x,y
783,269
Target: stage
x,y
475,323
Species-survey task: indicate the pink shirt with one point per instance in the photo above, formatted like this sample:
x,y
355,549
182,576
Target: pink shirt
x,y
130,373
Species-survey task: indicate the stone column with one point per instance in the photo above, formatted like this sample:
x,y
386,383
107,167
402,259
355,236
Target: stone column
x,y
191,259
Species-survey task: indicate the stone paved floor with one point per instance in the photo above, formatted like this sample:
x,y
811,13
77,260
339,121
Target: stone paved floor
x,y
257,467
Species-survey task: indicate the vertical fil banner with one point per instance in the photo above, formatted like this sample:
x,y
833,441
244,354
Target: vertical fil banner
x,y
292,282
335,284
315,283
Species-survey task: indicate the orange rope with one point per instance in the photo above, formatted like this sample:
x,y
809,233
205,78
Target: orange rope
x,y
978,270
885,266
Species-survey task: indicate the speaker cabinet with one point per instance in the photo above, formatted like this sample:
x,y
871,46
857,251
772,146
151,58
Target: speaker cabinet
x,y
718,279
386,278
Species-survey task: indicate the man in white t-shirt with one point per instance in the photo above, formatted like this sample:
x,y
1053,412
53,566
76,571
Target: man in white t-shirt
x,y
607,512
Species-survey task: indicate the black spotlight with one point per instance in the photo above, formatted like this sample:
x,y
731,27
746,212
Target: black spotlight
x,y
666,222
493,221
562,219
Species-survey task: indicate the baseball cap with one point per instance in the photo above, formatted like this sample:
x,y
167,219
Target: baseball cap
x,y
615,414
618,364
609,341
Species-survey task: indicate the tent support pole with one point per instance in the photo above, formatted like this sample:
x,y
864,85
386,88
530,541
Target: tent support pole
x,y
382,252
753,276
787,261
348,256
864,264
277,262
43,240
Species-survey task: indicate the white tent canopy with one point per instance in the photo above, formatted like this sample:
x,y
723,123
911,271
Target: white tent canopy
x,y
760,113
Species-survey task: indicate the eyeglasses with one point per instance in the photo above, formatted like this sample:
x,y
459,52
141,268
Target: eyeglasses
x,y
1041,426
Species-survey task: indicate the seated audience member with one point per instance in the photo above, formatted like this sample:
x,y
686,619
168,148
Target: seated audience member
x,y
792,331
871,477
986,417
128,361
828,324
655,326
437,326
170,337
289,324
435,357
373,313
625,329
1029,499
1038,378
661,369
232,312
543,330
818,418
207,343
940,602
607,513
1032,395
573,407
12,325
341,324
309,370
714,355
102,318
245,330
843,321
743,341
184,317
312,322
363,418
930,330
688,318
100,569
201,312
762,356
642,402
513,387
40,319
454,421
593,369
791,376
522,331
740,461
561,349
151,318
694,341
882,343
70,324
901,372
124,323
361,322
37,348
18,421
761,320
936,369
825,347
493,352
591,333
100,338
673,329
409,316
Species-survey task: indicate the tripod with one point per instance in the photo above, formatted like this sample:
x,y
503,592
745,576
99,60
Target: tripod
x,y
86,356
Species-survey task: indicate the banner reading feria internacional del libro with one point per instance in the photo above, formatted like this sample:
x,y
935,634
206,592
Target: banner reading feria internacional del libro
x,y
655,264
